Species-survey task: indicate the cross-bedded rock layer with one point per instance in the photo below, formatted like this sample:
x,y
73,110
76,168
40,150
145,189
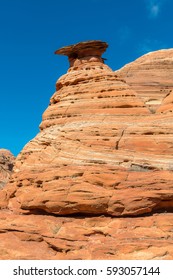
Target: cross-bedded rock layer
x,y
101,150
151,76
38,237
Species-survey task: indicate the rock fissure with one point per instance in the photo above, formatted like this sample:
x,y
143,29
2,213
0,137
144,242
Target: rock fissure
x,y
118,141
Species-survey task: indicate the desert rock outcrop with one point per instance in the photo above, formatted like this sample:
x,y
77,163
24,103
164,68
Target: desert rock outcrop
x,y
6,166
102,150
77,238
151,76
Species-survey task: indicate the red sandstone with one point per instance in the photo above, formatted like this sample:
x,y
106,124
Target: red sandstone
x,y
104,148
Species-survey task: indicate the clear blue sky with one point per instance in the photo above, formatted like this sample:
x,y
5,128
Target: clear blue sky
x,y
31,30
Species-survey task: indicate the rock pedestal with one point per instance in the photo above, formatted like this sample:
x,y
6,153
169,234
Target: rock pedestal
x,y
101,151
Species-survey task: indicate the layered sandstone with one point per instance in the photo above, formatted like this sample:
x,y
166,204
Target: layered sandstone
x,y
68,238
101,150
151,76
6,166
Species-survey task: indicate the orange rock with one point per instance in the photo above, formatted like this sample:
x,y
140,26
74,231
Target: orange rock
x,y
103,149
78,238
95,135
151,76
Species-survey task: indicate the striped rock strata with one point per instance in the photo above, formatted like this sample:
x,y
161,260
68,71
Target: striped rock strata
x,y
28,237
100,149
104,157
151,76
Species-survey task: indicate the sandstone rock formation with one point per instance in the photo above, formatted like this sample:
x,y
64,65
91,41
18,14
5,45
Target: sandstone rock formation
x,y
6,166
74,238
151,76
102,150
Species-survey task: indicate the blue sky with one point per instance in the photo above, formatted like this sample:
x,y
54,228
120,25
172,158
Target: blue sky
x,y
30,32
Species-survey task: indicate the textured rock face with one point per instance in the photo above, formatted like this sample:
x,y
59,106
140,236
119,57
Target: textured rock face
x,y
151,76
102,150
6,166
59,238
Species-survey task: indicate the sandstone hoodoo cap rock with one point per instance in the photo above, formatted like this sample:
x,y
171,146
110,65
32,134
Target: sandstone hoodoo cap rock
x,y
82,50
95,46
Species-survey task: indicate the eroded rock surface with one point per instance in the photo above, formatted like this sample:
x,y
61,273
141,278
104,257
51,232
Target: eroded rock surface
x,y
60,238
101,150
6,166
151,76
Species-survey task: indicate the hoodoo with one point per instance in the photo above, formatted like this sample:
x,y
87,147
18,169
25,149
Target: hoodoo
x,y
83,52
101,158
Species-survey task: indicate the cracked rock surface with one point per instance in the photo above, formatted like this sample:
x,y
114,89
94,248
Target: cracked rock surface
x,y
97,181
60,238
